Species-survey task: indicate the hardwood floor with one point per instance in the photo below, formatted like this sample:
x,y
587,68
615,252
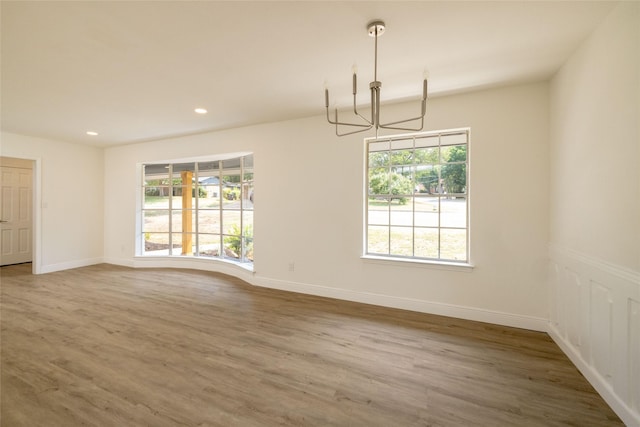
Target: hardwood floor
x,y
113,346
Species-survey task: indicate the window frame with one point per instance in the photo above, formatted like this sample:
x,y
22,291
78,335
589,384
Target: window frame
x,y
389,256
220,170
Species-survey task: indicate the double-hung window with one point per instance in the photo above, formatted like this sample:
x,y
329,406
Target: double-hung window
x,y
417,196
199,209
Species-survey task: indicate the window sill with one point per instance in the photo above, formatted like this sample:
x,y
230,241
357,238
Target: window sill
x,y
180,260
439,265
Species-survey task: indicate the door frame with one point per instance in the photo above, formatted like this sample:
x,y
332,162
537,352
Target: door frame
x,y
36,212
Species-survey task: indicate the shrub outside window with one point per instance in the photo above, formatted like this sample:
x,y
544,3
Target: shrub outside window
x,y
199,209
417,196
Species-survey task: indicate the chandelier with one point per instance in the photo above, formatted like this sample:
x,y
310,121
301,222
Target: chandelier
x,y
375,29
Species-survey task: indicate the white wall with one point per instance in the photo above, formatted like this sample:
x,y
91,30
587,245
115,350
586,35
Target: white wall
x,y
595,209
308,199
70,211
594,159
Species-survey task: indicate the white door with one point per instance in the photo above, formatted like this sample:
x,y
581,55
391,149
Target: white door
x,y
15,215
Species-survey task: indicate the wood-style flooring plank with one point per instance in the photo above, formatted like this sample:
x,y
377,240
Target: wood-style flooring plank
x,y
114,346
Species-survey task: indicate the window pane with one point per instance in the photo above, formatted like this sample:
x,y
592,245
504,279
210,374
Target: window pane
x,y
231,164
378,211
231,222
454,212
182,180
454,153
453,244
181,243
183,197
426,211
248,246
155,220
454,139
209,196
427,141
378,240
401,241
401,158
383,183
156,197
209,245
247,162
402,177
209,184
209,221
156,243
378,181
427,178
455,178
156,174
379,146
404,144
182,171
232,246
183,220
426,245
206,169
427,156
247,220
231,192
379,160
247,195
402,214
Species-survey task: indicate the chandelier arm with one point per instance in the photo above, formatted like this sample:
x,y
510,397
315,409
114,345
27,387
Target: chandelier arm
x,y
355,111
339,123
387,125
352,132
405,129
421,118
336,122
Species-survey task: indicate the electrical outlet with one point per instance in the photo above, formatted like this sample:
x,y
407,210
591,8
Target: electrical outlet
x,y
292,266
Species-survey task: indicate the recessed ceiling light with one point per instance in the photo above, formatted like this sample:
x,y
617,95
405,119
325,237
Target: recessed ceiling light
x,y
92,133
200,111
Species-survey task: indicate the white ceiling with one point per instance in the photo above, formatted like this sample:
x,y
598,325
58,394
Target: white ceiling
x,y
135,71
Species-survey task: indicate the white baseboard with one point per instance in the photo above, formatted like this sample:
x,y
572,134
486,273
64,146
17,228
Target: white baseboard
x,y
422,306
50,268
124,262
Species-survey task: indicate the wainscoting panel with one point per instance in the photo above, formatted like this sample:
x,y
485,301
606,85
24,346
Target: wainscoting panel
x,y
594,316
573,290
600,332
634,352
